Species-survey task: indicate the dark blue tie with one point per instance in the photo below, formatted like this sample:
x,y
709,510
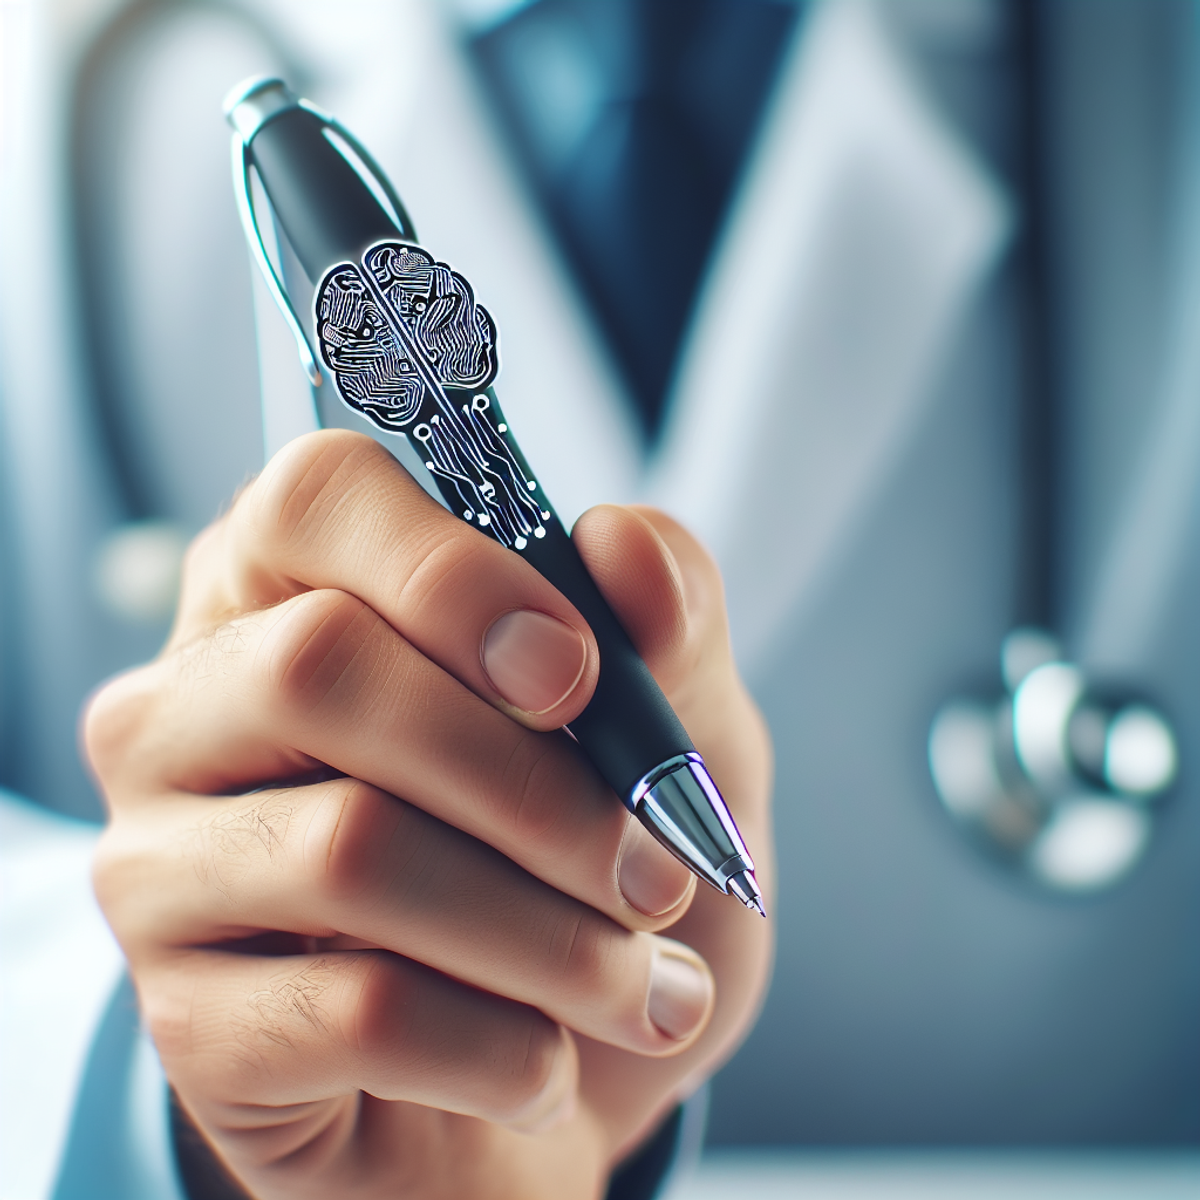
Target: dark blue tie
x,y
631,119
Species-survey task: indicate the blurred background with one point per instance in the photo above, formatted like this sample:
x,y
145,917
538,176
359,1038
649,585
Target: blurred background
x,y
896,302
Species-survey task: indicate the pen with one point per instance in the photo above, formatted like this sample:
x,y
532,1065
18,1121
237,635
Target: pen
x,y
407,345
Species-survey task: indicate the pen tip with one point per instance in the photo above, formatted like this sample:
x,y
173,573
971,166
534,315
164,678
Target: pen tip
x,y
745,887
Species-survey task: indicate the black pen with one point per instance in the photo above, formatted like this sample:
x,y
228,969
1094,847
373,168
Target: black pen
x,y
407,346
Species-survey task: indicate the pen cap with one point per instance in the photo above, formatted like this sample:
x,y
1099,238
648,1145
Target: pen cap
x,y
321,202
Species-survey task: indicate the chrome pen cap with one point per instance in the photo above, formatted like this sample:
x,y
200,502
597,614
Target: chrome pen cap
x,y
253,102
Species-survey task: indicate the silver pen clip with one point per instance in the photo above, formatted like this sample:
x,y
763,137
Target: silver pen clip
x,y
247,109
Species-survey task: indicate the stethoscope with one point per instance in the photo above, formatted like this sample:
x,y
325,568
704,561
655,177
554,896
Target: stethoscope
x,y
1060,777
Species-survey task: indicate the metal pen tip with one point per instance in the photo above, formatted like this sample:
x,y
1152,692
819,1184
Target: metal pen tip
x,y
745,887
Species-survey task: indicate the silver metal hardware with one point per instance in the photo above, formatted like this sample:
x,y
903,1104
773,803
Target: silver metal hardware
x,y
1056,779
253,102
242,164
682,807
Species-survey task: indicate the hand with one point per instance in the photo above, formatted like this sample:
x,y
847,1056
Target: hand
x,y
425,957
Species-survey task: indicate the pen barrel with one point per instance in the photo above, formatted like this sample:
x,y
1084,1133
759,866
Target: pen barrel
x,y
331,217
322,204
628,727
633,737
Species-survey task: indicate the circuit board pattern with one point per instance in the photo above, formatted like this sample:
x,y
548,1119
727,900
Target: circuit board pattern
x,y
409,347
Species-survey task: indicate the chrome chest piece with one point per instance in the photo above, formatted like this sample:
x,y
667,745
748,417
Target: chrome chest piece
x,y
1056,779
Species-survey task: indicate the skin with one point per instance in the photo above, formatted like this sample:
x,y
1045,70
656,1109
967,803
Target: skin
x,y
372,910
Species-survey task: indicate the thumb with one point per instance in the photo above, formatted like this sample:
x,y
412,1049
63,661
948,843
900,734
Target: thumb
x,y
661,584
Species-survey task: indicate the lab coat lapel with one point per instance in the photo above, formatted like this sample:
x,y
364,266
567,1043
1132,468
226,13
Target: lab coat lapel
x,y
861,233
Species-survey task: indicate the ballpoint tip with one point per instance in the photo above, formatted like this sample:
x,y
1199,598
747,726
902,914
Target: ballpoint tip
x,y
745,887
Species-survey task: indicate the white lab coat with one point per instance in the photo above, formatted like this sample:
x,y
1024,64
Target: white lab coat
x,y
841,311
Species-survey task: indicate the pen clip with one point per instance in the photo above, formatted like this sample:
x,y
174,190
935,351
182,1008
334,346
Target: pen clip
x,y
242,163
366,168
376,177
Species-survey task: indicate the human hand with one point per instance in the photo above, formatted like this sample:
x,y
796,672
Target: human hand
x,y
443,972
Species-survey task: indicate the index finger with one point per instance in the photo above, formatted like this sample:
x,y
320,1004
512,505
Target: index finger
x,y
335,510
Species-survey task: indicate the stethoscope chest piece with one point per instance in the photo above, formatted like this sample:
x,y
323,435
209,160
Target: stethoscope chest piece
x,y
1058,779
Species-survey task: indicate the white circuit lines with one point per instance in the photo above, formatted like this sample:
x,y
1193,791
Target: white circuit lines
x,y
408,347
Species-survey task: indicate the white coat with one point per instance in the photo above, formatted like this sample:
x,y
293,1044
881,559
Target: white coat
x,y
832,437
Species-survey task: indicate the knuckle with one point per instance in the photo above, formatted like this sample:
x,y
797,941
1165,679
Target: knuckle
x,y
175,995
376,1006
324,646
168,1014
352,859
583,952
445,565
199,576
306,483
113,718
533,1066
533,786
112,869
168,1026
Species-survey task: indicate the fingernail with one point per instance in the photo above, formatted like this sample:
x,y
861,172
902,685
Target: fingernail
x,y
533,660
681,992
650,879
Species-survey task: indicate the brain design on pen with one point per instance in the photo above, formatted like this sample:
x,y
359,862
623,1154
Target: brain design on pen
x,y
437,304
377,370
409,348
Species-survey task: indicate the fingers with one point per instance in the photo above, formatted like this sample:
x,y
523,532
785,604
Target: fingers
x,y
322,679
338,616
246,1031
666,590
642,583
335,510
344,858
